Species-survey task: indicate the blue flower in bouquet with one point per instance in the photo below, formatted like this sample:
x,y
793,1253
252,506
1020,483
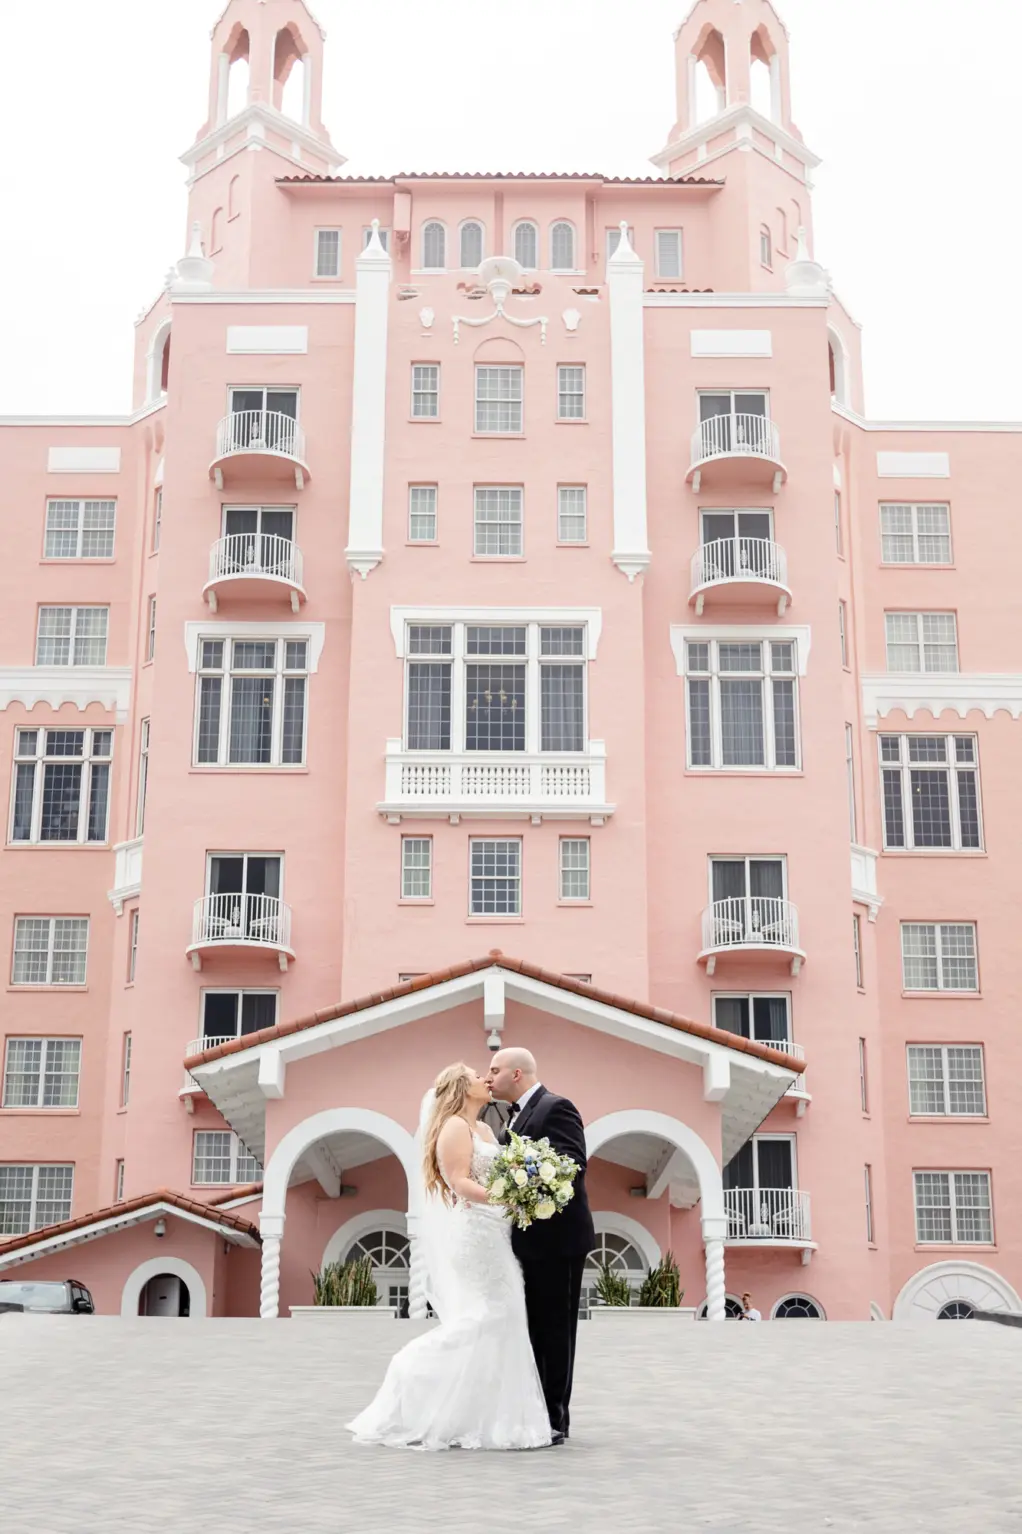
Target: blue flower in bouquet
x,y
531,1180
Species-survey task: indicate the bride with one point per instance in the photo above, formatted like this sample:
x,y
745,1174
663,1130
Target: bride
x,y
471,1381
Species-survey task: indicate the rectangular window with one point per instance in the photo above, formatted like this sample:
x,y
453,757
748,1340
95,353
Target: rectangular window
x,y
422,513
764,1018
34,1196
669,254
143,776
850,774
80,529
766,254
930,786
868,1190
742,704
42,1073
498,522
50,950
495,882
416,868
252,697
425,391
499,399
235,1014
748,903
119,1180
157,518
915,534
367,234
614,240
863,1077
125,1070
219,1158
571,393
429,687
328,252
72,636
572,514
574,881
857,949
61,785
842,626
838,531
150,645
939,956
132,946
921,642
953,1208
946,1080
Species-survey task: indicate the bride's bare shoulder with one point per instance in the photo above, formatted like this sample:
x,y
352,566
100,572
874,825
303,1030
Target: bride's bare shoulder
x,y
455,1132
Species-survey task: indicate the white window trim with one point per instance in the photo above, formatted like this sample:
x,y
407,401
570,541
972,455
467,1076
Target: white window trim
x,y
747,858
245,853
750,997
494,431
546,617
576,900
674,277
49,982
739,633
945,1112
237,1151
239,991
126,1068
568,224
478,222
317,275
39,1106
133,945
265,389
423,269
498,916
81,501
526,223
412,391
385,236
582,394
88,760
196,632
868,1194
950,1173
919,613
229,673
765,675
573,543
427,898
36,1167
478,523
75,608
952,768
436,513
757,1140
914,507
938,989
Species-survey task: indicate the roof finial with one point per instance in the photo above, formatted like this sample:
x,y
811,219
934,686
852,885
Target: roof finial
x,y
804,277
193,273
624,251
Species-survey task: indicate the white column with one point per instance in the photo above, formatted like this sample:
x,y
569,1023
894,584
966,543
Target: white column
x,y
223,75
306,89
628,404
368,407
416,1273
714,1231
271,1228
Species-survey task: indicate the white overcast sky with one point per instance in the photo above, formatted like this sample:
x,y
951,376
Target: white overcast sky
x,y
911,103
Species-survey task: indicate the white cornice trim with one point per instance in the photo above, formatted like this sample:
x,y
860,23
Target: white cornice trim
x,y
737,116
866,425
562,617
195,630
109,686
746,633
269,296
912,692
730,301
84,420
261,114
83,1233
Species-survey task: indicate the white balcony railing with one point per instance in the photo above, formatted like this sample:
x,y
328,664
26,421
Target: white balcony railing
x,y
742,435
746,562
551,785
196,1047
241,921
243,557
259,432
756,922
767,1214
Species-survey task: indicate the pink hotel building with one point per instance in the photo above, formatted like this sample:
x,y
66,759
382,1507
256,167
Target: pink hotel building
x,y
503,565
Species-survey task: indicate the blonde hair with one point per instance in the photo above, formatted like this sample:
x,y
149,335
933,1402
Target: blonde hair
x,y
451,1089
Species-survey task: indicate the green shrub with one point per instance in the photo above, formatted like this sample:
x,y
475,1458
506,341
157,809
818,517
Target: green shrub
x,y
345,1283
612,1288
662,1285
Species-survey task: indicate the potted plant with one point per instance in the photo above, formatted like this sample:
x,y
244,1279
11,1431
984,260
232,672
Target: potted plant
x,y
660,1294
345,1288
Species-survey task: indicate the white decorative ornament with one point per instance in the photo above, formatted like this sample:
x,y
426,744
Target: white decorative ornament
x,y
572,320
426,318
803,277
500,274
193,273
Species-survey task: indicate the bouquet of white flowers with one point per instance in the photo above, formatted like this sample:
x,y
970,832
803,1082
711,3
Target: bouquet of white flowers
x,y
531,1180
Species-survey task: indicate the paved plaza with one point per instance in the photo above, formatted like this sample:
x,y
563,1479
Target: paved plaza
x,y
237,1427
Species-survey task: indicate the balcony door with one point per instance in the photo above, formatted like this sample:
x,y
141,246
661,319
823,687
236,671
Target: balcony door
x,y
736,543
748,896
763,1018
764,1162
233,1014
266,418
261,537
247,889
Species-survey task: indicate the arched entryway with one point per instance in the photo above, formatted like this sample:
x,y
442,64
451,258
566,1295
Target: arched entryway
x,y
162,1286
382,1236
952,1291
165,1294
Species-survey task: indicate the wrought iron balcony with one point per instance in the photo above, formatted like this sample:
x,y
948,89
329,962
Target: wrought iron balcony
x,y
259,444
745,572
756,925
768,1217
248,922
251,566
729,448
444,785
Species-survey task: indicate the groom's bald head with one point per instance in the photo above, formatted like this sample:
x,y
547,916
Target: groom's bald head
x,y
512,1072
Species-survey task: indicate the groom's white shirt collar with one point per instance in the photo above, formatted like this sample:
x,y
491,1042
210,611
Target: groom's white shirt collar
x,y
526,1095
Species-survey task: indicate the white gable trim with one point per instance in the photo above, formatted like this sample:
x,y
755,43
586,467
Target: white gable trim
x,y
83,1233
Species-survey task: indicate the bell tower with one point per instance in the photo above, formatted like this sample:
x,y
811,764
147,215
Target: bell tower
x,y
742,45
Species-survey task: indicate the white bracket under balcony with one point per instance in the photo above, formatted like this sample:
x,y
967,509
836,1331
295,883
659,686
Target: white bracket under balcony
x,y
745,572
728,448
751,928
259,445
254,567
248,922
769,1217
484,785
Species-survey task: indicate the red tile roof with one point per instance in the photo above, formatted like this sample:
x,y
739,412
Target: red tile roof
x,y
519,966
133,1206
497,175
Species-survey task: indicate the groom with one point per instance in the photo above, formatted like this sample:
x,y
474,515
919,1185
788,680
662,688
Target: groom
x,y
552,1252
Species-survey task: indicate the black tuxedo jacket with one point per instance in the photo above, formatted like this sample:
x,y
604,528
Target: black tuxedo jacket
x,y
570,1232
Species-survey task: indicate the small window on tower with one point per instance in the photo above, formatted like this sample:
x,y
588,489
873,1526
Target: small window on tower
x,y
766,248
328,252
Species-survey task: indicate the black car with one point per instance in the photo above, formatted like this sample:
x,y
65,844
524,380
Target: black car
x,y
53,1297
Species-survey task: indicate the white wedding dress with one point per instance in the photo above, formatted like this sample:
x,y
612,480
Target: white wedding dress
x,y
469,1382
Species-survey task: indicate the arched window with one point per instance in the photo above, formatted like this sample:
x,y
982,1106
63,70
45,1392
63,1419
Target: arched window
x,y
562,247
956,1310
471,244
387,1250
289,92
237,75
621,1256
797,1307
434,246
782,230
527,245
709,76
732,1309
158,363
165,365
233,198
766,248
216,225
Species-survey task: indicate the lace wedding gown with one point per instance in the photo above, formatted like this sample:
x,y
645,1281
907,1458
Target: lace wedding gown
x,y
469,1382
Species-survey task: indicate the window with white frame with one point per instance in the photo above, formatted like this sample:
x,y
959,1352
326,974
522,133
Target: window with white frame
x,y
571,393
50,950
526,245
416,868
150,648
863,1077
842,629
219,1158
939,956
328,252
132,945
953,1208
853,826
572,518
562,246
422,500
921,642
425,391
61,785
143,776
157,518
499,399
498,522
838,530
748,901
624,1260
232,1014
126,1070
384,234
614,240
737,414
119,1180
762,1016
495,876
868,1192
72,636
251,702
34,1196
80,529
758,1185
496,687
857,948
42,1073
668,254
258,540
434,246
915,534
766,248
574,868
742,703
471,244
946,1080
930,787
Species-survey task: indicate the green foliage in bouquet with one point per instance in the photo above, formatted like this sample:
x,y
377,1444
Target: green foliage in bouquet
x,y
661,1288
612,1288
530,1180
345,1283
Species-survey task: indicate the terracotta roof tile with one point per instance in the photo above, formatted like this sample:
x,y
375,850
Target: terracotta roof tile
x,y
132,1206
661,1015
498,175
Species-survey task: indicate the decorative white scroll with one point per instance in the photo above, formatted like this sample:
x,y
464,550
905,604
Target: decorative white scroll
x,y
500,275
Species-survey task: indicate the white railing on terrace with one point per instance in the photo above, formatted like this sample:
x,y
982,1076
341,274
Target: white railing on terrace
x,y
739,559
260,431
256,554
196,1047
767,1214
258,919
496,781
736,436
749,920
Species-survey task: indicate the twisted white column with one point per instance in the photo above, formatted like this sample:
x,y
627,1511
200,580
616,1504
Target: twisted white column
x,y
271,1228
417,1307
716,1290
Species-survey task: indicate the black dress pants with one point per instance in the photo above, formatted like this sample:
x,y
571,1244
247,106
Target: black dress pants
x,y
553,1287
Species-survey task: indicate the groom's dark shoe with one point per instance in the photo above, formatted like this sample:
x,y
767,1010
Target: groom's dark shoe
x,y
556,1438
